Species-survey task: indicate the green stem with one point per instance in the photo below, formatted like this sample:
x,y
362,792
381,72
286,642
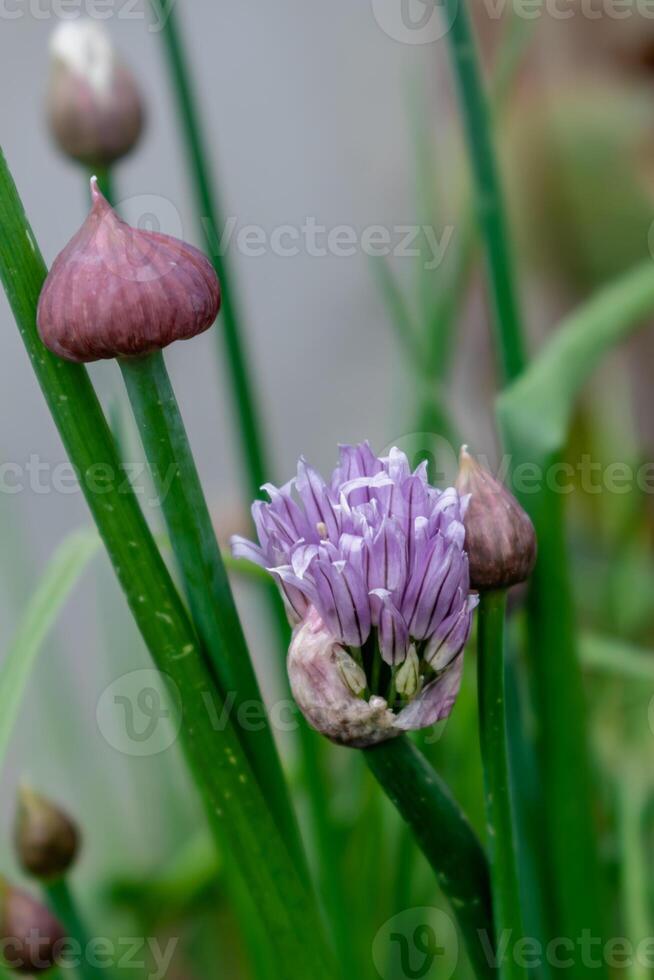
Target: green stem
x,y
446,839
635,879
247,415
207,587
534,415
562,739
63,905
488,194
251,441
236,809
497,780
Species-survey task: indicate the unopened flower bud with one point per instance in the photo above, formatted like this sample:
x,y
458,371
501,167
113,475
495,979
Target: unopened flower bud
x,y
351,673
47,840
500,538
94,106
407,679
29,934
118,291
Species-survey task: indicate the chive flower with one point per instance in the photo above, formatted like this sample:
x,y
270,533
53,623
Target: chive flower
x,y
374,574
94,106
118,291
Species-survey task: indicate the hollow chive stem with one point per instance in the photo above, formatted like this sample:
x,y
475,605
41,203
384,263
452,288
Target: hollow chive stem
x,y
205,580
488,193
246,412
446,839
209,594
63,904
507,910
236,809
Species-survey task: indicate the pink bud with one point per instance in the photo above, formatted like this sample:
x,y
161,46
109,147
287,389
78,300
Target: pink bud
x,y
500,538
94,105
29,934
117,291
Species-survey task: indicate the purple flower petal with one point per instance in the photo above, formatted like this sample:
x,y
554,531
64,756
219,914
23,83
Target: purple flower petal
x,y
452,634
435,702
288,512
393,633
397,466
387,564
317,502
297,593
342,601
423,586
354,462
242,548
454,583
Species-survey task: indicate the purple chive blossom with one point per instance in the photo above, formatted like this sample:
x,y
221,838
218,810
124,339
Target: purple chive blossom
x,y
371,565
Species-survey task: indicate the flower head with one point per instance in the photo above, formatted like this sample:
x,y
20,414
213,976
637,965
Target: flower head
x,y
374,575
94,106
118,291
500,537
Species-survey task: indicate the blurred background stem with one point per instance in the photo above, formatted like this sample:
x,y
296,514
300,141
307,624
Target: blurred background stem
x,y
64,906
567,790
635,864
488,194
247,414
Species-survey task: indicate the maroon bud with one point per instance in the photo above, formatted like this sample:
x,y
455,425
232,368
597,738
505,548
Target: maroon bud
x,y
500,538
117,291
47,840
94,106
29,934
